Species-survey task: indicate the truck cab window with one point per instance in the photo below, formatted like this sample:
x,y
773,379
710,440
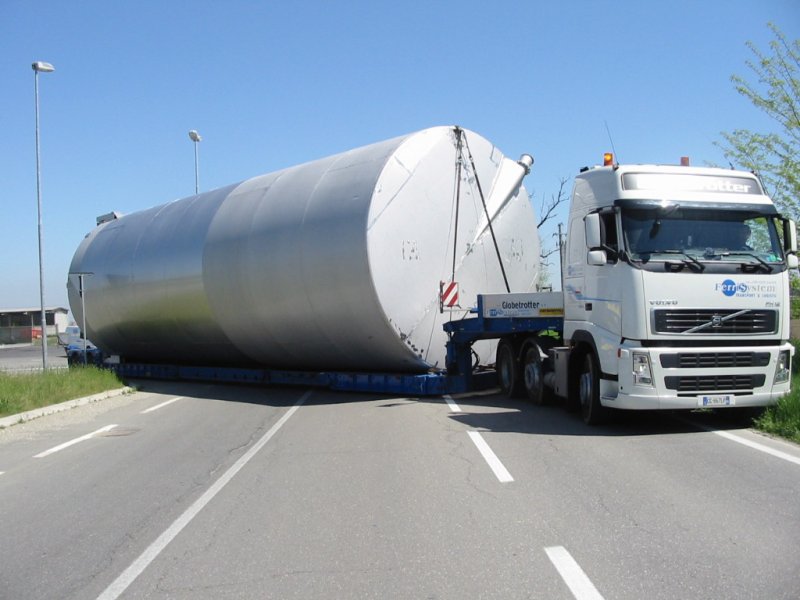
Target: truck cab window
x,y
716,235
608,232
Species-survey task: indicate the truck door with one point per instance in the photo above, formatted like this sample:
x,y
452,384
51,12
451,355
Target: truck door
x,y
604,284
592,293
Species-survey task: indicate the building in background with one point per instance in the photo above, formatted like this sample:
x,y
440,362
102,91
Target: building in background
x,y
23,325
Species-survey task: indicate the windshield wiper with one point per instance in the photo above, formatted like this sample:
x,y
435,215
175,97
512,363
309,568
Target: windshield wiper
x,y
688,260
763,263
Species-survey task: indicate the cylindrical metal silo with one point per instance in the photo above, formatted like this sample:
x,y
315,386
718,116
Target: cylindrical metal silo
x,y
333,264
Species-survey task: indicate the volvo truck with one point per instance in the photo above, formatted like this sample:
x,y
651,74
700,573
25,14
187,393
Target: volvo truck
x,y
675,296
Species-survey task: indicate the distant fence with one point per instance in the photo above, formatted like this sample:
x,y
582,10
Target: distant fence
x,y
19,335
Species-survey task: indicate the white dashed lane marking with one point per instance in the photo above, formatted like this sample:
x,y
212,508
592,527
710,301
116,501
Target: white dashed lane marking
x,y
83,438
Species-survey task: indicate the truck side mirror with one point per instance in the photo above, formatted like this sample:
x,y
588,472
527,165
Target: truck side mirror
x,y
592,225
790,243
596,258
790,237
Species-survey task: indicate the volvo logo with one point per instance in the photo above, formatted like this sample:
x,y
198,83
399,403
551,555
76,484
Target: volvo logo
x,y
716,321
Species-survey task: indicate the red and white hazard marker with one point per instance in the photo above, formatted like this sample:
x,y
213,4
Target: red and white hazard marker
x,y
449,297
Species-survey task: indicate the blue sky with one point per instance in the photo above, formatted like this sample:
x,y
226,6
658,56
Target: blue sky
x,y
273,84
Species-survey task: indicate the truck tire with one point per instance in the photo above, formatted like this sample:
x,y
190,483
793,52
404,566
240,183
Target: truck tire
x,y
592,411
533,376
508,370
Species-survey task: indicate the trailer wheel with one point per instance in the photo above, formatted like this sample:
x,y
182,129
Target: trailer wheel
x,y
592,411
508,371
533,376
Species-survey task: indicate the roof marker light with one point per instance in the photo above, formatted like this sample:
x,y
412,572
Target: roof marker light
x,y
684,161
608,159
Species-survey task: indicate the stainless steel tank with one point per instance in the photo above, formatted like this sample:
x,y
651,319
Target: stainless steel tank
x,y
333,264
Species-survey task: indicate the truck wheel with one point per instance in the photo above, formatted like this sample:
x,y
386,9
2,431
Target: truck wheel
x,y
508,371
592,411
533,376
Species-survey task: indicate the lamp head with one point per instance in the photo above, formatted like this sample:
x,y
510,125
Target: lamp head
x,y
43,67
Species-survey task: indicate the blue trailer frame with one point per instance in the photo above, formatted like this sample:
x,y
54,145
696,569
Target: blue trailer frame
x,y
459,376
462,333
424,384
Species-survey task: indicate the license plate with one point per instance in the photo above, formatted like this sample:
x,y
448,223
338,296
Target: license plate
x,y
717,400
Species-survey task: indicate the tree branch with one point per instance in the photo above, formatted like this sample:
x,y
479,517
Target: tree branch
x,y
546,211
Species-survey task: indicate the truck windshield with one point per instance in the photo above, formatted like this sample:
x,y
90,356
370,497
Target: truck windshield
x,y
659,234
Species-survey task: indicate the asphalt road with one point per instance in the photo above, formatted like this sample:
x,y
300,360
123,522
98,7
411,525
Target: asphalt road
x,y
28,357
245,492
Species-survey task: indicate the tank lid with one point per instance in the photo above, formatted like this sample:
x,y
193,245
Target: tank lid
x,y
108,217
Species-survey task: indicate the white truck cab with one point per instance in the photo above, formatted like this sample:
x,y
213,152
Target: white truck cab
x,y
676,291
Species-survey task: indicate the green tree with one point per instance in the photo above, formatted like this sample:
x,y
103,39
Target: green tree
x,y
775,89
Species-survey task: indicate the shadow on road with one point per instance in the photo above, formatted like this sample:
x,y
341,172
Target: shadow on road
x,y
487,412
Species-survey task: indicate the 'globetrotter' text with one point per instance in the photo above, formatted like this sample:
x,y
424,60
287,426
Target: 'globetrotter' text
x,y
519,305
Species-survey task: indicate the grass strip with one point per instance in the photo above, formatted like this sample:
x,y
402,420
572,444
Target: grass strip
x,y
20,392
783,419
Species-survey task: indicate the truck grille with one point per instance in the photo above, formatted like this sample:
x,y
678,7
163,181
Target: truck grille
x,y
715,322
715,383
712,360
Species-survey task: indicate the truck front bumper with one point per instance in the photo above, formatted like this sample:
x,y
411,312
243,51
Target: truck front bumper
x,y
710,377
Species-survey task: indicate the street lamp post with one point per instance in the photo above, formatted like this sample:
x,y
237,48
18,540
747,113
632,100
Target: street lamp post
x,y
40,67
196,138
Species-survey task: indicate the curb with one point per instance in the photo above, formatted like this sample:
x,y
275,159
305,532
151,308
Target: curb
x,y
57,408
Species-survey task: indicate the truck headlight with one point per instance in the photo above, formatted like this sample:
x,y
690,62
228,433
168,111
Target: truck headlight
x,y
642,374
783,368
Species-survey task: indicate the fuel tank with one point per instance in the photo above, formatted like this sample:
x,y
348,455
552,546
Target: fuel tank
x,y
333,264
